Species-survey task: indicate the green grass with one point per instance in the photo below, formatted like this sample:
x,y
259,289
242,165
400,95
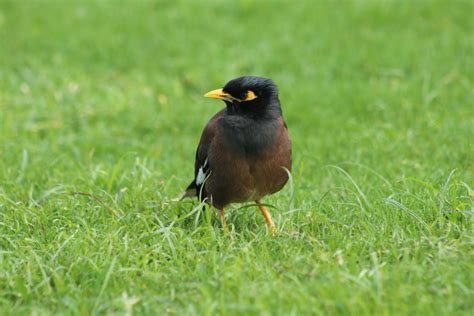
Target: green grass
x,y
101,109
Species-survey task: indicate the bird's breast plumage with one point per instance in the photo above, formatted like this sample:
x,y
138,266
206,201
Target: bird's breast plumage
x,y
248,137
247,161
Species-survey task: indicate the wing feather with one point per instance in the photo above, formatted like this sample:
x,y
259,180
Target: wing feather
x,y
202,165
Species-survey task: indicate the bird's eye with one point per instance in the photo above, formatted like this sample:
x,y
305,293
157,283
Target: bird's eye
x,y
243,95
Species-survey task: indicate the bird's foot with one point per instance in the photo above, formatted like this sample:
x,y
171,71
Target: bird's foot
x,y
223,221
273,230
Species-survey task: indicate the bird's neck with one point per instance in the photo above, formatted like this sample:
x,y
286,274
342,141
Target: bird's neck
x,y
250,135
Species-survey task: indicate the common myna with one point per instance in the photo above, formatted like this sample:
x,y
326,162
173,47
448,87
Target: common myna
x,y
244,148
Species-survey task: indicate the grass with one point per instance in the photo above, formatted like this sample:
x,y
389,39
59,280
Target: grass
x,y
101,110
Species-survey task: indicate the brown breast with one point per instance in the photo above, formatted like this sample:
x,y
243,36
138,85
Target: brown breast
x,y
237,178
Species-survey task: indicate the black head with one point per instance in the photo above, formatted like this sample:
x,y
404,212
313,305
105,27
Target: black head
x,y
249,95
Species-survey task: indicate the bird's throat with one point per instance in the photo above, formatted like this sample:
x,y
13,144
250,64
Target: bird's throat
x,y
247,136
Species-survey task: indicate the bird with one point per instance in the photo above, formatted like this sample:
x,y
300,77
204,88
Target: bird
x,y
245,151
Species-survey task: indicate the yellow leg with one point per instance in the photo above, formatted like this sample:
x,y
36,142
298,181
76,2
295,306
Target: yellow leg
x,y
267,216
224,222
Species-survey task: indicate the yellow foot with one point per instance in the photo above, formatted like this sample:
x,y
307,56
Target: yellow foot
x,y
273,230
223,221
267,217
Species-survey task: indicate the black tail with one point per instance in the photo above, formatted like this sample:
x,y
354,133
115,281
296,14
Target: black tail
x,y
191,191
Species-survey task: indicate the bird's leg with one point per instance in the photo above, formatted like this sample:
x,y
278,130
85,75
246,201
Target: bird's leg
x,y
267,216
224,222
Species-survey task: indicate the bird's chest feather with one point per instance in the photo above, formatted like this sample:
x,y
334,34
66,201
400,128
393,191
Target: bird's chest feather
x,y
246,160
247,137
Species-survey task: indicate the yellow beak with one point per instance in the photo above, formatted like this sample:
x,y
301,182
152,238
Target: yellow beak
x,y
219,94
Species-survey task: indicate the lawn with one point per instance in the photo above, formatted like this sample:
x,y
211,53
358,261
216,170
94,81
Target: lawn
x,y
101,109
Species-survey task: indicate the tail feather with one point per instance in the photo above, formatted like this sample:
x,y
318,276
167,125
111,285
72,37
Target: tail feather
x,y
191,191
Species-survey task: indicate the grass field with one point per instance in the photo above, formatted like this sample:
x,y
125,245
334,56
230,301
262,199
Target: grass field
x,y
101,109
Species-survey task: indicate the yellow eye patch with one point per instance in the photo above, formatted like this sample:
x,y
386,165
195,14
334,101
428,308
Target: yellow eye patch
x,y
250,96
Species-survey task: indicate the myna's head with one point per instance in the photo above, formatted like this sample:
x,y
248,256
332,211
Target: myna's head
x,y
248,94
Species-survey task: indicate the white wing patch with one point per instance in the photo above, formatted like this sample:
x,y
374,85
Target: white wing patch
x,y
201,176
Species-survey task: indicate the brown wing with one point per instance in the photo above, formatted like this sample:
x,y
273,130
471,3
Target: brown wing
x,y
201,165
